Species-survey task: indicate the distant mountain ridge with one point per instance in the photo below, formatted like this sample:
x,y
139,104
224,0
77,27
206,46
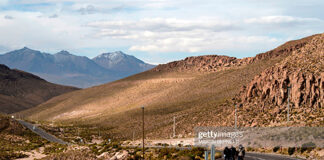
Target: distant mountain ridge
x,y
68,69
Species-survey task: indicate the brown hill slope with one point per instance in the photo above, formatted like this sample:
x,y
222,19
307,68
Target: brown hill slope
x,y
20,90
303,71
198,90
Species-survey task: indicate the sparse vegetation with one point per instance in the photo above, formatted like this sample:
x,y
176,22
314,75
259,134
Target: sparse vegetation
x,y
73,154
308,147
54,148
291,150
275,149
15,139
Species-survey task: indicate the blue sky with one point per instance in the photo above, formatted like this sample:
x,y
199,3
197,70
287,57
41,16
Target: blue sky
x,y
157,31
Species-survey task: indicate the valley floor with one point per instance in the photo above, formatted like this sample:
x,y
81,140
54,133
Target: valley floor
x,y
100,147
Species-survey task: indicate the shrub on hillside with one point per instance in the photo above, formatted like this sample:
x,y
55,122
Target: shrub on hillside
x,y
55,148
11,155
308,147
291,150
218,155
276,148
194,152
4,123
79,155
115,145
166,152
249,149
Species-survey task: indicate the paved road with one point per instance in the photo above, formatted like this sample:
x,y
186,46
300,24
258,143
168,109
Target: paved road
x,y
41,132
249,155
264,156
259,156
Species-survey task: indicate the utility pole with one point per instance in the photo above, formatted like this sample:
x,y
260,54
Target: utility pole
x,y
288,109
133,136
174,126
143,131
235,123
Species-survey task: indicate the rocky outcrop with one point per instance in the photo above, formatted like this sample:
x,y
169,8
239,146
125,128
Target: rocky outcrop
x,y
271,87
285,49
199,63
303,71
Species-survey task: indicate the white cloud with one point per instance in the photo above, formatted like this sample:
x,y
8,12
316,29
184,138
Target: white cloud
x,y
150,4
167,25
27,29
281,20
178,35
203,42
3,2
149,27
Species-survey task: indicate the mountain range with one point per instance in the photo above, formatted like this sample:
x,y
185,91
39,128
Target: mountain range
x,y
203,91
68,69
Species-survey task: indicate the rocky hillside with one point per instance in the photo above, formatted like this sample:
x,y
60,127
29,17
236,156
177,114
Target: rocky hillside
x,y
215,63
303,71
207,63
20,90
199,91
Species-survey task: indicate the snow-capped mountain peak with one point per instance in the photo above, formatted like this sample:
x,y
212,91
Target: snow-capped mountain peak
x,y
112,55
121,62
64,52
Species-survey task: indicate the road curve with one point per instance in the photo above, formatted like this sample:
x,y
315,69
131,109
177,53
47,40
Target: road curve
x,y
41,132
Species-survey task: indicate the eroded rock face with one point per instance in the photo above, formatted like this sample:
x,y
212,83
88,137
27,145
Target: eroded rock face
x,y
199,63
271,87
303,71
